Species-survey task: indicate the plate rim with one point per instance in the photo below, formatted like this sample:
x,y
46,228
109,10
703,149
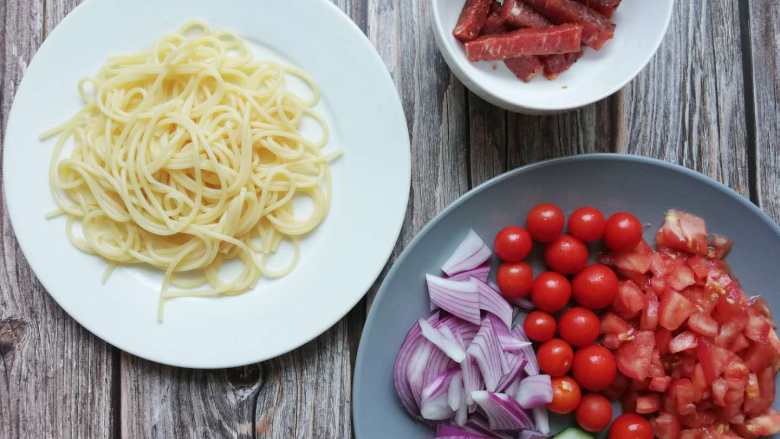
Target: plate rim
x,y
405,175
615,157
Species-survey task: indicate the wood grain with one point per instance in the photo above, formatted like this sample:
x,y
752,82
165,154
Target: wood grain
x,y
687,106
55,377
764,43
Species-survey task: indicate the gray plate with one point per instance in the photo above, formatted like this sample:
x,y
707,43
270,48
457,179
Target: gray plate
x,y
643,186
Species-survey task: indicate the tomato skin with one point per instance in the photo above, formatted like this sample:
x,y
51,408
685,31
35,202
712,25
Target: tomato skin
x,y
545,222
587,223
595,287
566,255
631,426
579,326
566,395
594,368
540,326
555,357
513,244
623,231
514,279
551,292
594,413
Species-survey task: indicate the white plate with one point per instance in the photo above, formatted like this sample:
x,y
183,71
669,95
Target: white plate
x,y
339,261
641,26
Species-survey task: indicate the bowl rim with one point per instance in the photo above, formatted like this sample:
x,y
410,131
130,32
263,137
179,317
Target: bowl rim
x,y
606,157
541,108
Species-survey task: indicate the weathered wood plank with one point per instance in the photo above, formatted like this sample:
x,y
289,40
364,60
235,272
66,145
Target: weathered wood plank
x,y
764,19
55,377
488,139
687,106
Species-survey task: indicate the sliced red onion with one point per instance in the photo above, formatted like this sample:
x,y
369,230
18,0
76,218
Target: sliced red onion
x,y
453,327
471,253
460,299
491,301
486,350
448,345
455,395
416,367
472,380
542,420
400,380
438,364
503,412
482,273
434,406
531,365
531,434
512,388
534,391
524,304
516,372
446,431
462,414
479,425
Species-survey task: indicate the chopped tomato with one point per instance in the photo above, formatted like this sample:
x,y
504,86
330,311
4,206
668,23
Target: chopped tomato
x,y
713,359
629,301
680,276
612,324
756,405
674,310
729,331
647,404
764,425
683,231
758,327
719,246
719,389
682,342
666,426
659,384
636,260
760,356
649,319
740,343
704,300
633,357
683,396
662,339
703,324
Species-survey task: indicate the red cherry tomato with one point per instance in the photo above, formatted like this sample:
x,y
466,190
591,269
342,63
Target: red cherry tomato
x,y
631,426
622,232
587,223
513,244
555,357
594,413
594,368
580,326
539,326
551,292
566,395
595,287
515,279
545,222
566,255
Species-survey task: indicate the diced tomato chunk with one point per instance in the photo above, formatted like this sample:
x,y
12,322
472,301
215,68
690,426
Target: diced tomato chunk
x,y
758,327
662,339
682,342
666,426
612,324
719,389
756,405
659,384
646,404
764,425
719,246
684,232
759,356
713,359
649,320
740,343
611,341
703,324
634,357
684,396
636,260
629,301
674,310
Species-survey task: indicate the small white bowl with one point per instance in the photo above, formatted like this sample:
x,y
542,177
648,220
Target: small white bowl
x,y
641,26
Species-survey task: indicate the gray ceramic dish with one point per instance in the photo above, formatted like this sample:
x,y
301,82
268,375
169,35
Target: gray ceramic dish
x,y
644,186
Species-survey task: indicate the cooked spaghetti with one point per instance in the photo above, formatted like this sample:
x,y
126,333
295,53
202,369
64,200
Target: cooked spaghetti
x,y
188,155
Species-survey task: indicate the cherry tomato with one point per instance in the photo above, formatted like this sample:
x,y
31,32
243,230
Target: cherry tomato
x,y
515,279
622,232
513,244
545,222
594,413
580,326
595,287
551,292
587,223
566,255
566,395
555,357
594,368
539,326
630,426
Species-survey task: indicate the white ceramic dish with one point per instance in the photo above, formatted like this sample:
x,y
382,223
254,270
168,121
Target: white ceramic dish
x,y
641,26
339,261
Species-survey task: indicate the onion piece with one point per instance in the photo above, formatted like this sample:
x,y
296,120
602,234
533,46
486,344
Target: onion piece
x,y
438,364
446,431
491,301
532,365
448,345
460,299
503,412
472,380
515,373
480,426
482,273
542,420
434,406
531,434
486,350
400,380
455,395
416,366
471,253
534,391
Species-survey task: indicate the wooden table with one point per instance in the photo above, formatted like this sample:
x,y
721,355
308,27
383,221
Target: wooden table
x,y
708,100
